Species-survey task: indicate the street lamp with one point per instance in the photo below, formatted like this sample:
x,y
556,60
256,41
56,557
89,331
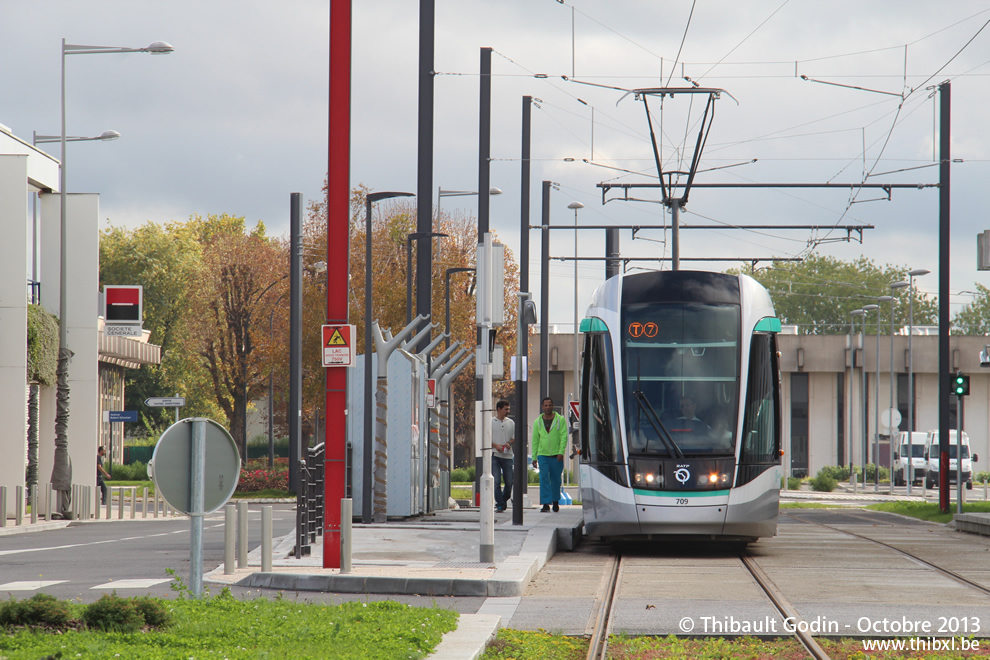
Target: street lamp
x,y
917,272
876,420
575,206
105,136
369,431
447,274
62,467
876,403
441,193
409,240
862,394
890,410
36,139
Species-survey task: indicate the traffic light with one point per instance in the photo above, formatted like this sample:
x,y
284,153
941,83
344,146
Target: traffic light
x,y
960,385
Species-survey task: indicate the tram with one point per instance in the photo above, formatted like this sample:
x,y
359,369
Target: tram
x,y
680,427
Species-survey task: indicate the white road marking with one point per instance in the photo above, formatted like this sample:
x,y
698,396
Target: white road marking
x,y
134,583
29,585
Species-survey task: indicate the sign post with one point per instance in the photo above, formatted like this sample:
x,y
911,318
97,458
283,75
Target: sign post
x,y
196,468
116,417
166,402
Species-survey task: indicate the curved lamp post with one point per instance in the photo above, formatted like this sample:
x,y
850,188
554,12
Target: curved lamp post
x,y
862,394
890,411
917,272
369,378
62,469
876,421
441,193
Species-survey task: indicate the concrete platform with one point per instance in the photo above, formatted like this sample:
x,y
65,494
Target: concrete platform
x,y
976,523
435,555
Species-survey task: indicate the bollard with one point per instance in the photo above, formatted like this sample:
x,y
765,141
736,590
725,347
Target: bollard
x,y
266,539
49,498
133,502
156,504
346,518
3,506
242,534
34,503
109,502
19,505
228,539
144,504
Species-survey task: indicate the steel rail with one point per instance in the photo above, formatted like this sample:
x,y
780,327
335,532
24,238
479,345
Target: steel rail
x,y
783,606
935,567
604,603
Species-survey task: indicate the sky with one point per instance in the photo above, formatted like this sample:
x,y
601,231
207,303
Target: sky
x,y
235,119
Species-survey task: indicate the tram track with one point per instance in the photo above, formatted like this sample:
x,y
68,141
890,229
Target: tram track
x,y
787,611
924,562
605,600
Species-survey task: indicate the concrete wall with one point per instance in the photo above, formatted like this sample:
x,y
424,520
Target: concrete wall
x,y
13,321
83,264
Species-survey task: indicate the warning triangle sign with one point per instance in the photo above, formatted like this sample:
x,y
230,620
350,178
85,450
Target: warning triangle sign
x,y
336,339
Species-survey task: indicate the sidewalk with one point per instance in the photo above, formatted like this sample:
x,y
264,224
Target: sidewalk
x,y
434,555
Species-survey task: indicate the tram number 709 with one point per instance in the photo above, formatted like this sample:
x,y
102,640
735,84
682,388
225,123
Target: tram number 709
x,y
681,500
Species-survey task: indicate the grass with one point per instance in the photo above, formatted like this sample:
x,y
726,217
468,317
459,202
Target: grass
x,y
928,510
524,644
224,627
810,505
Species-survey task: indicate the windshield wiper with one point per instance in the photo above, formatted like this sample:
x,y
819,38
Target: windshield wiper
x,y
654,420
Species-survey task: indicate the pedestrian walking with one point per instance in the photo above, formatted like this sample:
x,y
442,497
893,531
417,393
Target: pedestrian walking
x,y
101,474
549,446
503,435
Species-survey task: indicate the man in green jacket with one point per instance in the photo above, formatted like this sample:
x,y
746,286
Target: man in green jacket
x,y
549,446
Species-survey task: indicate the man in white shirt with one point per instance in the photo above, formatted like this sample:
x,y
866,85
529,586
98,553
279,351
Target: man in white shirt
x,y
503,435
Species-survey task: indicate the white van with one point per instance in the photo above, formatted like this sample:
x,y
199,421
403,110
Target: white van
x,y
932,458
911,446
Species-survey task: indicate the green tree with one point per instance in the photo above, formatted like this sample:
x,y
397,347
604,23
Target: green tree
x,y
818,294
167,261
974,317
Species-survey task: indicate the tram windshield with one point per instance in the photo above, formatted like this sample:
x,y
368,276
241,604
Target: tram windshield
x,y
681,378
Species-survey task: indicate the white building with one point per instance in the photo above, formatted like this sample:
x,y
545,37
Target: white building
x,y
26,174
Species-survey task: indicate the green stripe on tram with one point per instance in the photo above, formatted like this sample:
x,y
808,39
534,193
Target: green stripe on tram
x,y
768,324
679,493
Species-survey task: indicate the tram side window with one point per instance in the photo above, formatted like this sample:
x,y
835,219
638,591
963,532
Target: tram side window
x,y
603,436
761,441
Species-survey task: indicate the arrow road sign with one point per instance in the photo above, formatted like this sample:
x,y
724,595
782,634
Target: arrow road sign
x,y
165,402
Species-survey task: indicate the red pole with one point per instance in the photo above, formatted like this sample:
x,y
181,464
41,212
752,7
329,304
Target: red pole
x,y
338,206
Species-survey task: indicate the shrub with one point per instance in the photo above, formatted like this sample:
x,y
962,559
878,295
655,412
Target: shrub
x,y
136,471
10,612
111,613
38,610
871,471
981,477
462,475
822,482
254,480
46,610
155,614
836,472
793,483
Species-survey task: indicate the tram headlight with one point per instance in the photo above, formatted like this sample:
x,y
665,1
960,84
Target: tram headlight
x,y
646,474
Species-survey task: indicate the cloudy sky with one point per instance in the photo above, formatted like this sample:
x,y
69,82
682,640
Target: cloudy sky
x,y
235,119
